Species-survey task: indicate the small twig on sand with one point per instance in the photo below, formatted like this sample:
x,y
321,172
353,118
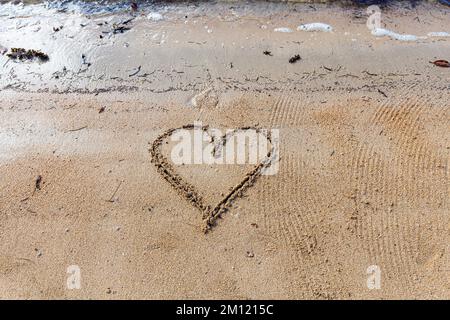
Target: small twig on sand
x,y
369,73
348,75
78,129
115,191
384,94
37,184
136,72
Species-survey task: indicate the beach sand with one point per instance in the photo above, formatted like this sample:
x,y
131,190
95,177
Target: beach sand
x,y
364,152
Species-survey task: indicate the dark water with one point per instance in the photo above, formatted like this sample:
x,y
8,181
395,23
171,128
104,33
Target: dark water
x,y
112,6
126,3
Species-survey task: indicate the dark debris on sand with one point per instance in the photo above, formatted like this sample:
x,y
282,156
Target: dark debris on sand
x,y
29,55
294,59
441,63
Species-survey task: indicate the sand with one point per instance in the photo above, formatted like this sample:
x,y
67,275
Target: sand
x,y
364,152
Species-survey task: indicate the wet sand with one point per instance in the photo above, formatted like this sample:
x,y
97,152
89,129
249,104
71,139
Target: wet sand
x,y
364,151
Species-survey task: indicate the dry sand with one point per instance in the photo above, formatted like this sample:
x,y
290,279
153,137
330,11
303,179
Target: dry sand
x,y
363,180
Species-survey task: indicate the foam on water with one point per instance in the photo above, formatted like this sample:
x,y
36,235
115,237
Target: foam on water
x,y
381,32
286,30
155,16
12,10
316,26
441,34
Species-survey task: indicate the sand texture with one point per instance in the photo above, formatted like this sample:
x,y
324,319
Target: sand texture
x,y
363,171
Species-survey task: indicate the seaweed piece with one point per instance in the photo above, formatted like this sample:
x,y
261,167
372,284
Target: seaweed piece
x,y
294,59
441,63
23,54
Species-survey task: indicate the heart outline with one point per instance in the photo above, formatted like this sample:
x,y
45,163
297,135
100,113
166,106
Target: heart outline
x,y
189,192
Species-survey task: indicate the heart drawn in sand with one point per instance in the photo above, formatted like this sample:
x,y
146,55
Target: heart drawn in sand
x,y
185,189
